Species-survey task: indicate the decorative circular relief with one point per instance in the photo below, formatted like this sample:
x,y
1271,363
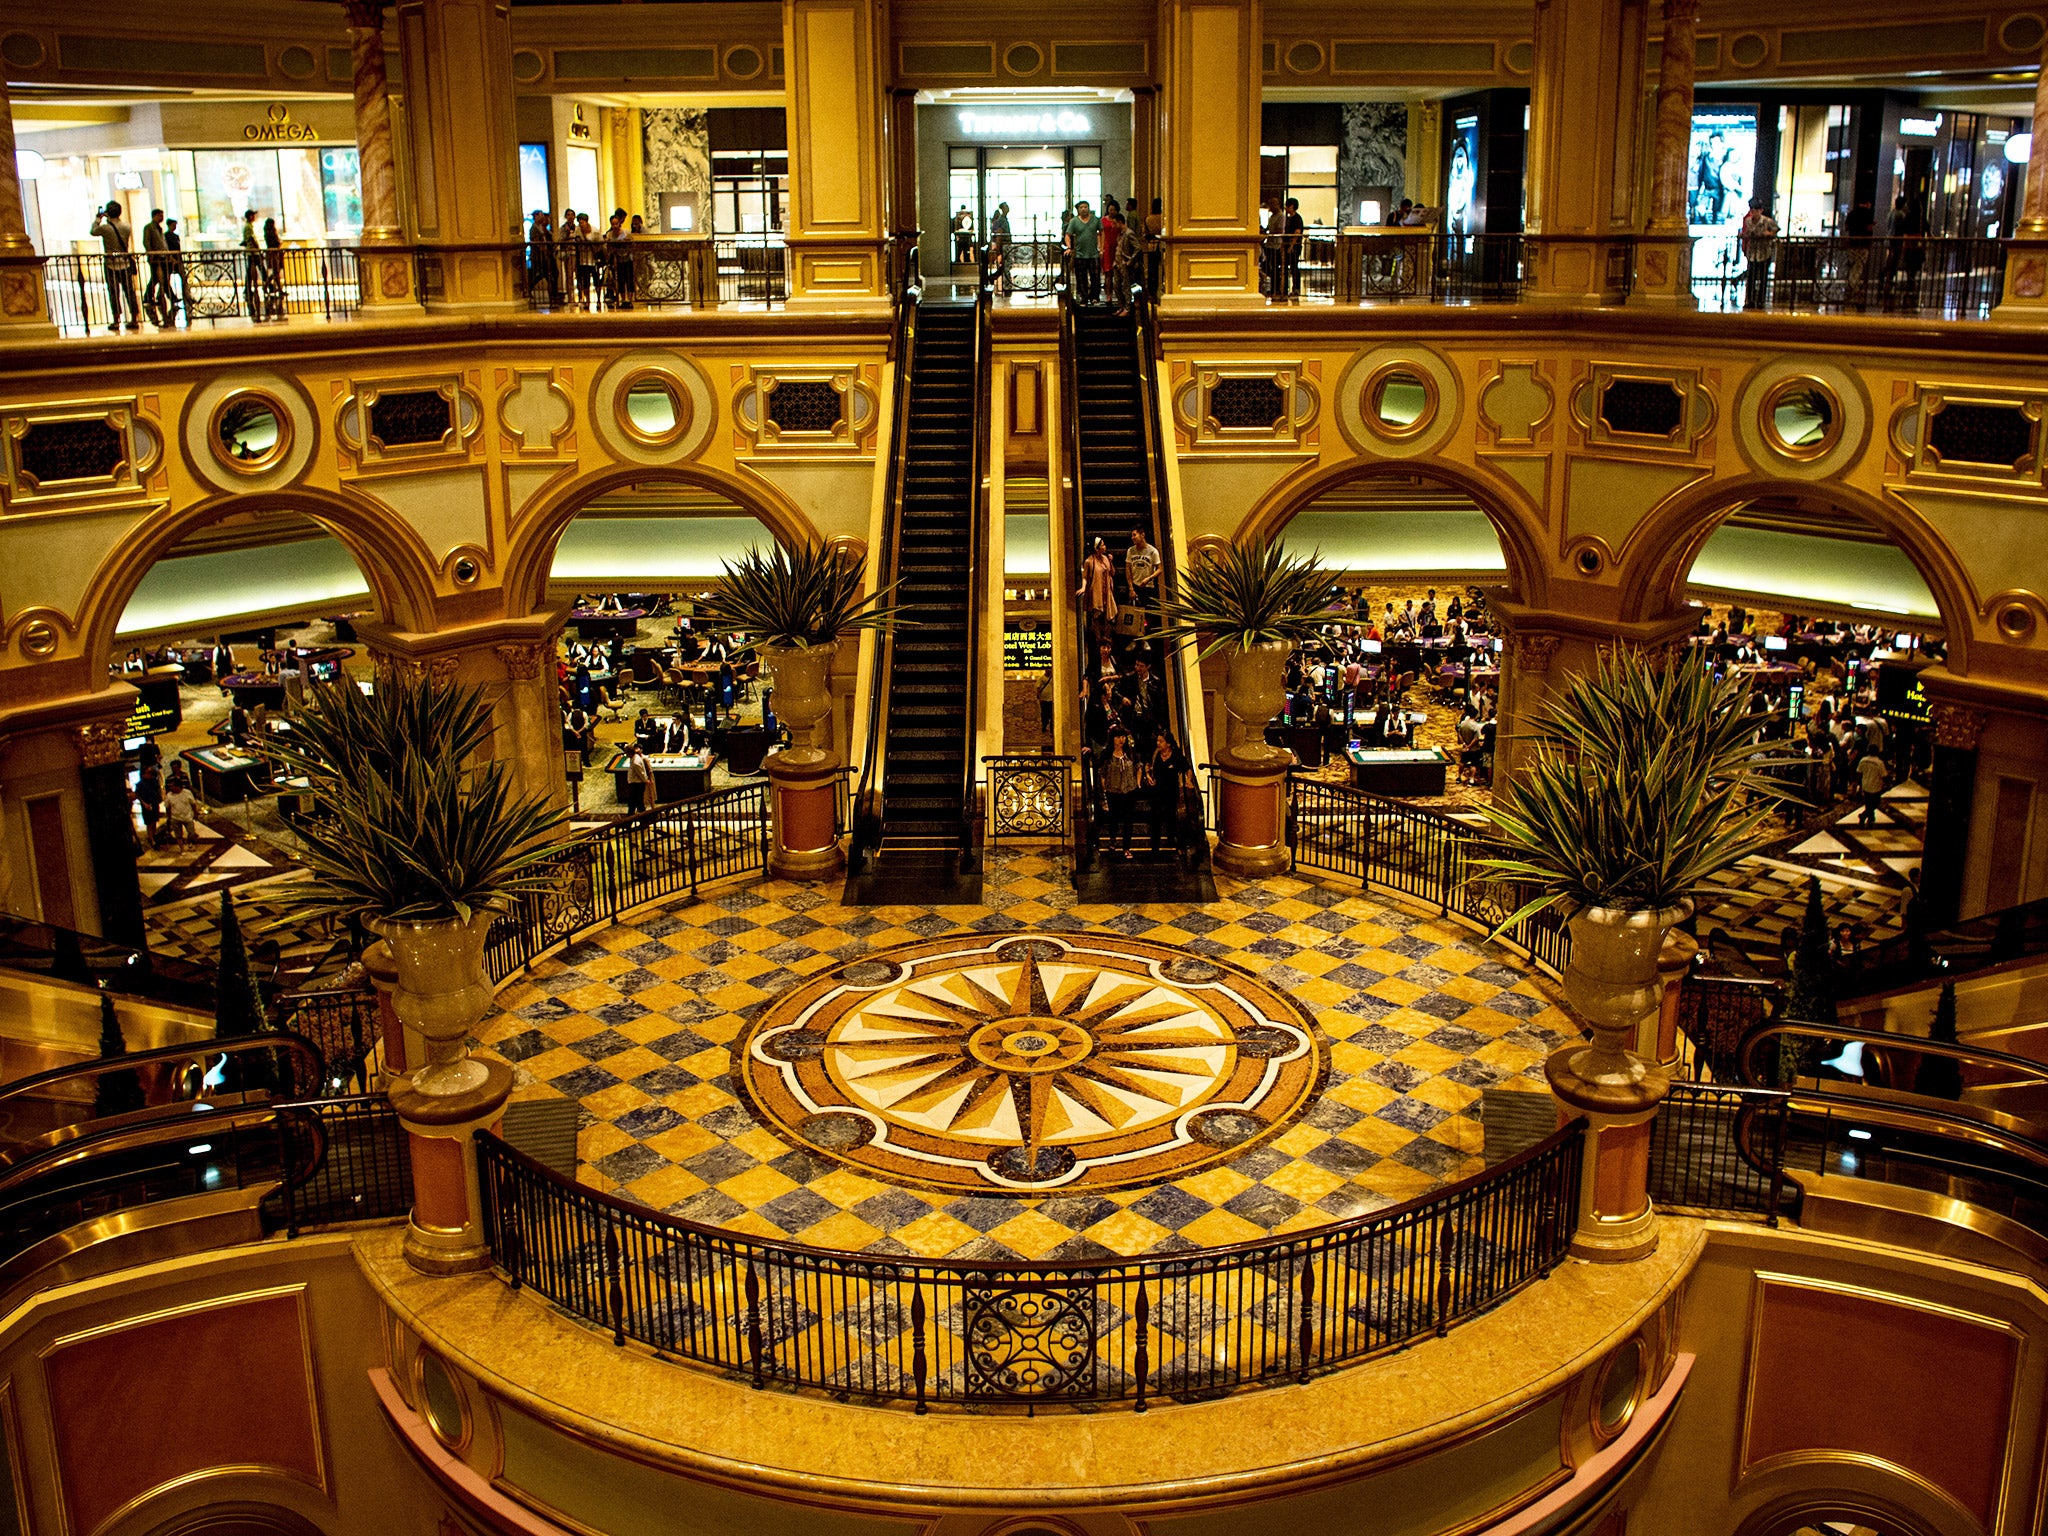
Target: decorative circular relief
x,y
1026,1063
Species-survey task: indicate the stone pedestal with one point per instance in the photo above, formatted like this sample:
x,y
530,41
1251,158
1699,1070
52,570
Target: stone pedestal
x,y
1252,836
1584,103
803,792
445,1235
1617,1223
24,302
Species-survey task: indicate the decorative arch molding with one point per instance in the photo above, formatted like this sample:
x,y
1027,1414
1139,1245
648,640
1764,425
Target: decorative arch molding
x,y
396,562
1516,522
1661,550
533,545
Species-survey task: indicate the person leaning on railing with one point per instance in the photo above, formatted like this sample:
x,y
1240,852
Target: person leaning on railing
x,y
540,259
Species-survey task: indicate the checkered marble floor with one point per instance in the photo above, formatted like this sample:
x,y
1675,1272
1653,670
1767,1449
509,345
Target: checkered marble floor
x,y
638,1023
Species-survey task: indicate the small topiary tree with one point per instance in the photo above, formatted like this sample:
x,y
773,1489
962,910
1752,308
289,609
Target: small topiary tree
x,y
1809,994
238,1000
1941,1077
117,1092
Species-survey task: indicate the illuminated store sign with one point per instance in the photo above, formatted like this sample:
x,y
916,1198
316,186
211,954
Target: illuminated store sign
x,y
278,127
985,125
1920,127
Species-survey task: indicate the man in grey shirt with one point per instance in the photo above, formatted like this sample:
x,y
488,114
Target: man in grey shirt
x,y
1084,245
117,244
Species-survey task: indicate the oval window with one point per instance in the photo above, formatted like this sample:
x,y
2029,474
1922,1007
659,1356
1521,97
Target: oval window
x,y
1803,420
1402,401
251,431
1621,1385
440,1399
653,410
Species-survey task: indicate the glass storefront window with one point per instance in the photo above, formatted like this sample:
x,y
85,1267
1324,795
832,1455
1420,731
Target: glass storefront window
x,y
748,190
303,214
533,180
1304,172
1040,182
230,181
341,193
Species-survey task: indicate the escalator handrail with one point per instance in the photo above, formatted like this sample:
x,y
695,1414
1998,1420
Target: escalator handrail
x,y
1143,308
266,1040
1749,1053
171,1122
867,813
1077,537
977,544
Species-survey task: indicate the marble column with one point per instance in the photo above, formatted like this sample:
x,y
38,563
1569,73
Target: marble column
x,y
2026,264
1663,262
1584,103
836,91
24,304
387,273
1209,151
463,138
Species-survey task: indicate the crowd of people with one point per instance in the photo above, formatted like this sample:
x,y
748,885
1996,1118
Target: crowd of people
x,y
576,258
163,248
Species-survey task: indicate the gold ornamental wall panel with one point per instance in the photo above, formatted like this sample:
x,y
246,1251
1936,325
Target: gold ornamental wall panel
x,y
68,455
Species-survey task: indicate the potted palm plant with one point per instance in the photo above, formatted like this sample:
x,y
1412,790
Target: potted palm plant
x,y
794,604
1647,780
1254,603
415,833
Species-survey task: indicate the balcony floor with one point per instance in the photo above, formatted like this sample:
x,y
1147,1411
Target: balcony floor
x,y
770,1061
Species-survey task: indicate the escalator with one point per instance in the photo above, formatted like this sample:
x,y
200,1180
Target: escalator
x,y
915,807
1117,470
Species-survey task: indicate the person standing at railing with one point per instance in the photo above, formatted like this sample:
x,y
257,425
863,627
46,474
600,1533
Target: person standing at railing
x,y
1759,246
116,246
1292,233
273,270
584,248
156,298
540,259
1857,228
252,267
639,774
619,241
999,248
174,282
1083,235
1107,237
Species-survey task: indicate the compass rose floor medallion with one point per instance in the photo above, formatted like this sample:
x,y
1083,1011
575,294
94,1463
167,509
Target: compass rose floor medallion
x,y
1032,1063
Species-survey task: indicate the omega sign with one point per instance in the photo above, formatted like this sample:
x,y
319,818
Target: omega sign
x,y
278,127
1064,120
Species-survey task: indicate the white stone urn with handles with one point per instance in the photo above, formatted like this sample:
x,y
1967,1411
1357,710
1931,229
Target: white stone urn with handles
x,y
803,690
441,993
1255,690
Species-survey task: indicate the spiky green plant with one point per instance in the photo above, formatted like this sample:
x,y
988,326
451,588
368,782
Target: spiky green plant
x,y
797,598
1249,595
1647,780
1941,1077
411,819
237,999
114,1093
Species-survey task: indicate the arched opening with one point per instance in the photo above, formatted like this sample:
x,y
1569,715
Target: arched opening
x,y
1831,606
221,616
1405,704
631,555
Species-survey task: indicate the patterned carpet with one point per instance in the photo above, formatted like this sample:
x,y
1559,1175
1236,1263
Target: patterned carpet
x,y
1412,1018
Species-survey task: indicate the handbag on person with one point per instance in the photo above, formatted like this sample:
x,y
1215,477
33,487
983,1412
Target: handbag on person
x,y
1130,623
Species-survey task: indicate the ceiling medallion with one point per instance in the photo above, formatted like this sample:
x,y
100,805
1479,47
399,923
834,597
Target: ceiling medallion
x,y
1023,1064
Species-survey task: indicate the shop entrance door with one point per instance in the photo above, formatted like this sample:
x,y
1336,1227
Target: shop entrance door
x,y
1040,182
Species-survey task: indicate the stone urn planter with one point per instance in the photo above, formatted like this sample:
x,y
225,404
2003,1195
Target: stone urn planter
x,y
1255,690
1612,984
441,994
803,691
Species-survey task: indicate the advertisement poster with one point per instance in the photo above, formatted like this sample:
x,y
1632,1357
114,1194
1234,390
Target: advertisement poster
x,y
1463,214
1723,164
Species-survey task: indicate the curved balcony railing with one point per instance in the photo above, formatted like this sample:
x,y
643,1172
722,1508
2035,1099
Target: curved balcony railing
x,y
1124,1331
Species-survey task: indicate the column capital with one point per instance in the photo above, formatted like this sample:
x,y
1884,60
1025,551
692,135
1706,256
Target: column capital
x,y
364,15
1958,726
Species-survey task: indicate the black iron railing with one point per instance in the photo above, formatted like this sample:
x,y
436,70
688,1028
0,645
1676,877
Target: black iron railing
x,y
1957,279
638,859
63,954
355,1156
1720,1149
342,1022
1419,853
1115,1331
1714,1014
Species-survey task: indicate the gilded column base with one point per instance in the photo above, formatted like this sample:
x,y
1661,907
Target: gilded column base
x,y
389,281
1204,274
1570,270
1252,838
803,800
1662,277
24,301
2025,300
846,276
